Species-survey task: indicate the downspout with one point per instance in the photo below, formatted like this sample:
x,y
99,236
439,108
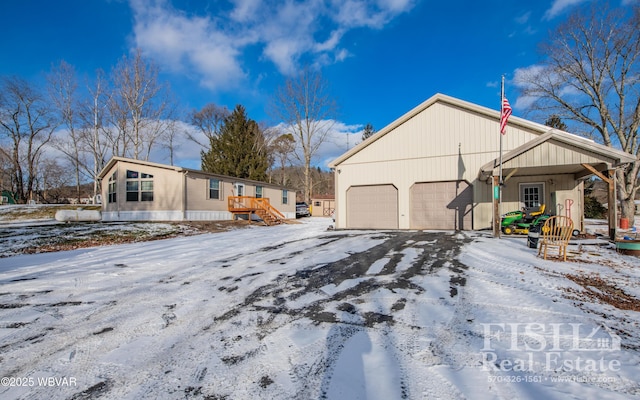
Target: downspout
x,y
118,189
184,196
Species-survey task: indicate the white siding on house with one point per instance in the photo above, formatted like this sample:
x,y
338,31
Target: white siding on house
x,y
565,188
441,143
179,194
551,154
446,139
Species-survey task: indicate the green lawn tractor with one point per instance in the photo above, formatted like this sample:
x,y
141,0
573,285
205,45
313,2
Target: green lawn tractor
x,y
520,221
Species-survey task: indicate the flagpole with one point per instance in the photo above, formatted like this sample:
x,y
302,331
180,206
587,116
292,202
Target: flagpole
x,y
500,133
500,182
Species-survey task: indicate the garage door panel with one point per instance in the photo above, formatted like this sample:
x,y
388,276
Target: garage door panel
x,y
441,205
372,207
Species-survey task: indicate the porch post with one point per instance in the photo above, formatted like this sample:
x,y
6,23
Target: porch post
x,y
496,206
612,204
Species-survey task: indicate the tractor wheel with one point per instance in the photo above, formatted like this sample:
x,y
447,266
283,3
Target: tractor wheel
x,y
507,230
575,232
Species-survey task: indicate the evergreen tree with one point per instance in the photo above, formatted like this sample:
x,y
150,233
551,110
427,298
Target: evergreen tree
x,y
554,121
368,131
239,150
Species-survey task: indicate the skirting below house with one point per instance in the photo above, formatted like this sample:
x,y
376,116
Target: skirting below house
x,y
209,216
108,216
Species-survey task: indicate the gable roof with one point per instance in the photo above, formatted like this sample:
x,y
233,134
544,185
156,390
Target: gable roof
x,y
551,133
611,157
115,160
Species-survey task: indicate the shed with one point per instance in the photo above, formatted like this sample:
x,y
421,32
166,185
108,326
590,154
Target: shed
x,y
322,205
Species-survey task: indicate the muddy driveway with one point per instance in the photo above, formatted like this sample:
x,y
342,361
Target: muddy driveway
x,y
396,265
234,315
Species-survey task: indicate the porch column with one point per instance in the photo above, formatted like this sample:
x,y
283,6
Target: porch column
x,y
496,206
612,204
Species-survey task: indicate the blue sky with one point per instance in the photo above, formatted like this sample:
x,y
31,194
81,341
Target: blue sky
x,y
382,58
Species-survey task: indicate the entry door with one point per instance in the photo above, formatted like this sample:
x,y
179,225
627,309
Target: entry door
x,y
239,189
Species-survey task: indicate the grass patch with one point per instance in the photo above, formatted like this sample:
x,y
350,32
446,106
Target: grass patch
x,y
598,290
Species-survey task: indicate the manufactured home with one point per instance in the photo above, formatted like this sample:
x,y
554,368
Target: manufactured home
x,y
135,190
437,167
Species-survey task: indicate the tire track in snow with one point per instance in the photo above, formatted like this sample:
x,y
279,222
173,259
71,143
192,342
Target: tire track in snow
x,y
499,275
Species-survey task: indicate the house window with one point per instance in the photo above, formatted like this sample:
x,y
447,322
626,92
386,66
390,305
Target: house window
x,y
285,196
133,190
239,189
139,186
214,189
113,195
258,192
532,194
146,190
316,204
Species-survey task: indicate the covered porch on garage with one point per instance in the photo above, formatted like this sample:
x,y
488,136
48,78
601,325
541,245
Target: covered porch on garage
x,y
551,170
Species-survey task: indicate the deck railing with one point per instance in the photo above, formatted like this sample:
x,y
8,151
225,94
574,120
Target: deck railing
x,y
250,205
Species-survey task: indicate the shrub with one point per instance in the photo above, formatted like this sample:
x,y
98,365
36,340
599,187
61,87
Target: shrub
x,y
593,208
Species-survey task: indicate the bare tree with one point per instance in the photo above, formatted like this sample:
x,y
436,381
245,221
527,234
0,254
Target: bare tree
x,y
117,129
590,77
95,133
6,172
53,177
281,150
172,132
63,91
307,111
27,124
139,104
208,120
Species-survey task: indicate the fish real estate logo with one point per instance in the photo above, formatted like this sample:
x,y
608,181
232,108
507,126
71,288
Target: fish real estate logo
x,y
549,347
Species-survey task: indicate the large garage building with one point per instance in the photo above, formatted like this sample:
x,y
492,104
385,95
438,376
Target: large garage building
x,y
435,168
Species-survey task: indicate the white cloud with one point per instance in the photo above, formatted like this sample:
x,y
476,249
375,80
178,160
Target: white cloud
x,y
341,138
559,6
524,18
493,84
244,10
521,79
184,43
286,31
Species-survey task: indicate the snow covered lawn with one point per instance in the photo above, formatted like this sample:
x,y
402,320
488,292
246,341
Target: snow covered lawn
x,y
299,312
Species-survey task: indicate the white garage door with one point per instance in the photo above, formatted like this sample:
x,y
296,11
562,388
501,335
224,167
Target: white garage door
x,y
441,205
372,207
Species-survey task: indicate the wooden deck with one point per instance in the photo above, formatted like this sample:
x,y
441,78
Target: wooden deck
x,y
245,205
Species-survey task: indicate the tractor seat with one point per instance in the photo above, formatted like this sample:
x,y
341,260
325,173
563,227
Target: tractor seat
x,y
533,211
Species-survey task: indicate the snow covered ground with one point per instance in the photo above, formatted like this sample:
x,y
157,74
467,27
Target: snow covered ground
x,y
299,312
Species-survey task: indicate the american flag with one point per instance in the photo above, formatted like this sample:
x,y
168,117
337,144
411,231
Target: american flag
x,y
504,116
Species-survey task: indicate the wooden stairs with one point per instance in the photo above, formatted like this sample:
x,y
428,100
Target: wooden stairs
x,y
245,205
